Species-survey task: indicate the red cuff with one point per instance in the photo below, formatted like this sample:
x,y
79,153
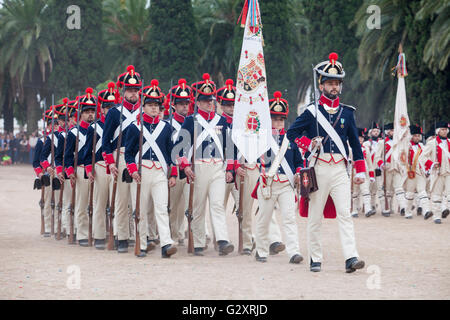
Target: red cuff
x,y
303,142
69,171
132,168
230,165
379,163
237,165
38,171
109,158
45,164
88,169
428,165
174,172
360,166
59,169
298,170
183,162
372,174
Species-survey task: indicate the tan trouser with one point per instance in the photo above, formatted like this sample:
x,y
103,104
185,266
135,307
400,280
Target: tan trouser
x,y
151,221
284,195
333,180
411,186
440,190
67,198
362,191
154,185
48,207
178,209
251,178
209,185
101,197
394,184
123,210
81,205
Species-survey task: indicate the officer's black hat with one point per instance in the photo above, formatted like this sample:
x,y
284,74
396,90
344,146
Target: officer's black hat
x,y
330,70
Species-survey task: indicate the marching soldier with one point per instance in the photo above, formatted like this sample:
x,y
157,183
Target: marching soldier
x,y
71,122
180,96
102,180
87,106
416,181
363,190
334,121
372,145
130,81
436,160
394,175
41,182
225,99
209,157
281,187
47,160
156,162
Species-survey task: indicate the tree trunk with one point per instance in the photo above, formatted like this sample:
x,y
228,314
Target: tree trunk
x,y
32,106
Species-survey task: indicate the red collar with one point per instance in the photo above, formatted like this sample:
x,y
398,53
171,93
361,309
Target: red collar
x,y
207,115
227,117
278,132
178,117
61,129
102,119
331,103
130,106
84,124
149,119
413,143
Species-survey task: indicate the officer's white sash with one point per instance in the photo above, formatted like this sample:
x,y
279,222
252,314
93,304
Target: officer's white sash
x,y
81,138
284,164
150,142
129,118
325,124
209,130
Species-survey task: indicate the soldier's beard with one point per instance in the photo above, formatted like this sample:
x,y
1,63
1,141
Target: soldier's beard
x,y
329,95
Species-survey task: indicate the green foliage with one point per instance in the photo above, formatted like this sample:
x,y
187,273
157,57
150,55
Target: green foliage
x,y
78,54
174,47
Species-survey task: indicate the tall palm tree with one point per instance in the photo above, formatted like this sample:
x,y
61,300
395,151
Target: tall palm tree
x,y
27,56
127,26
437,49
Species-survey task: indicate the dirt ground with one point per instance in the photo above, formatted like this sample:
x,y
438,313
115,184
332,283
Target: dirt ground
x,y
405,259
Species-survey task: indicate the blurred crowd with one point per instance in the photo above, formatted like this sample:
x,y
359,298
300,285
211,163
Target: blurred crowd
x,y
19,148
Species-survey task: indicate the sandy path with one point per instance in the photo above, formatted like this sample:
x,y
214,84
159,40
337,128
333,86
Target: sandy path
x,y
405,259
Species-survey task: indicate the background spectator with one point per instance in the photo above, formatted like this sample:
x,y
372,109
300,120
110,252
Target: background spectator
x,y
32,141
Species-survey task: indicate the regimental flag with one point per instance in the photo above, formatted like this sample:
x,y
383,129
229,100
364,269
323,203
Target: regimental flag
x,y
252,126
402,134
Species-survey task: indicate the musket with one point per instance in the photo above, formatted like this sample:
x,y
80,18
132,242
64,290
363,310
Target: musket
x,y
91,190
112,205
137,211
52,203
75,165
191,183
60,203
42,202
240,212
